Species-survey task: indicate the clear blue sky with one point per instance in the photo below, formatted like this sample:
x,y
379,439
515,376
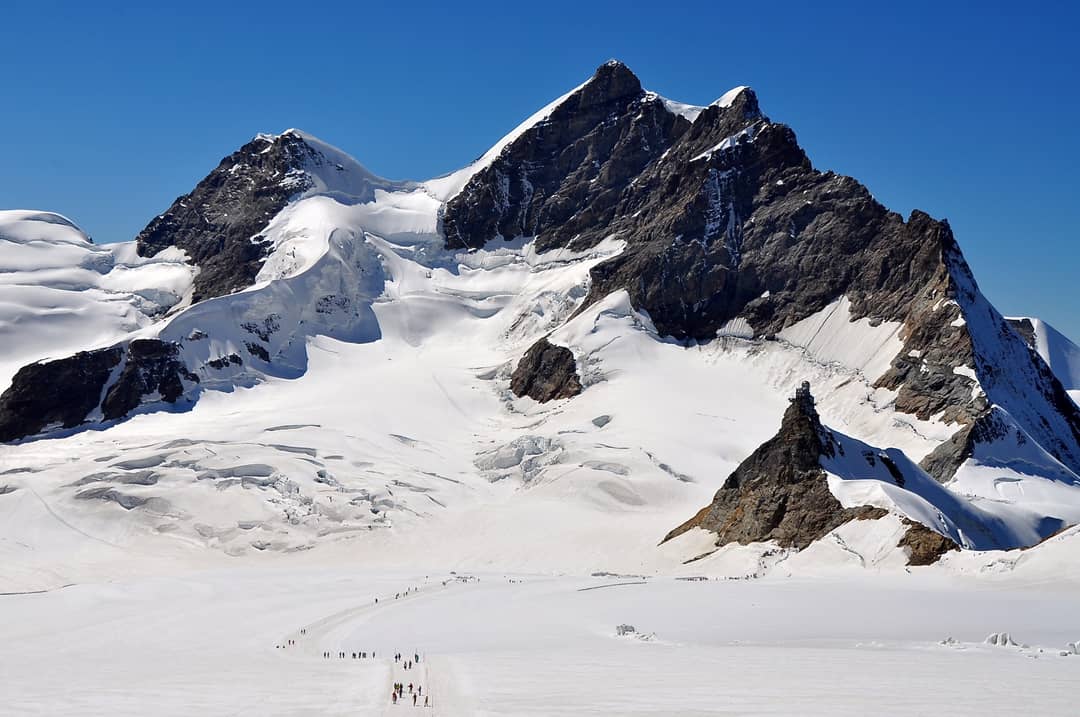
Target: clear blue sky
x,y
970,112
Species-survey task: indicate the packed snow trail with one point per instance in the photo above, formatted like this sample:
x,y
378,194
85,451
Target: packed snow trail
x,y
308,638
417,675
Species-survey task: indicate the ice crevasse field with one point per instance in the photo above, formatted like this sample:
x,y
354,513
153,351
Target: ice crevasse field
x,y
381,490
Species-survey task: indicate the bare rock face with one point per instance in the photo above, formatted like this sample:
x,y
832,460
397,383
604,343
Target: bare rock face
x,y
152,367
61,392
546,372
565,174
219,223
67,392
924,546
780,492
944,460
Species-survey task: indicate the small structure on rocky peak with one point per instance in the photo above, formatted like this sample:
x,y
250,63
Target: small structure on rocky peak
x,y
804,398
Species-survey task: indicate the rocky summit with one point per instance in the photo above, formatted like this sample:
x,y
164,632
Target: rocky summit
x,y
780,493
606,313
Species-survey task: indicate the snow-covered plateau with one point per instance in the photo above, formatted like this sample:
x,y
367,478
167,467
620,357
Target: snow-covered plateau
x,y
331,456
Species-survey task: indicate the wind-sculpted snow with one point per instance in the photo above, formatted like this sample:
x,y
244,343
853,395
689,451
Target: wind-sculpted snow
x,y
60,293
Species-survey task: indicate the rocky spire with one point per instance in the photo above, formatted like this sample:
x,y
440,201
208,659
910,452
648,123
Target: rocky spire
x,y
780,492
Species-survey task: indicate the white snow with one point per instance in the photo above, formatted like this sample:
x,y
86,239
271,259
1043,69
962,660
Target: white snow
x,y
526,644
60,293
832,336
1060,354
728,98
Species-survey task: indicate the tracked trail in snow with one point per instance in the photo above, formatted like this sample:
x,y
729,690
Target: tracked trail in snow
x,y
442,697
308,642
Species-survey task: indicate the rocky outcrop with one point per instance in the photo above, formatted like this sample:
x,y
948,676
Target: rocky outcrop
x,y
943,461
220,222
68,392
924,546
546,372
55,393
152,369
780,492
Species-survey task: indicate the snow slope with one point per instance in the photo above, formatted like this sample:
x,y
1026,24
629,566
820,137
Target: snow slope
x,y
1060,354
60,293
860,474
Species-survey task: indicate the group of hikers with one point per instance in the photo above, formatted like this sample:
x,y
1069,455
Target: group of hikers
x,y
399,693
417,691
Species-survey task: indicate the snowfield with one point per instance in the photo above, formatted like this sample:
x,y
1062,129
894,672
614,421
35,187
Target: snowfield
x,y
498,644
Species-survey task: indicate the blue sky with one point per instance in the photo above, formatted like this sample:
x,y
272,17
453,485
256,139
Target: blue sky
x,y
970,112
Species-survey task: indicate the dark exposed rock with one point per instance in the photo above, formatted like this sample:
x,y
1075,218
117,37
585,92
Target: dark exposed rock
x,y
780,492
257,350
219,223
67,391
225,361
1025,328
61,392
546,372
151,367
566,173
924,546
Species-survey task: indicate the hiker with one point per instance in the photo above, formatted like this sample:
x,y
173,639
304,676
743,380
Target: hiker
x,y
393,697
419,690
414,700
425,702
410,688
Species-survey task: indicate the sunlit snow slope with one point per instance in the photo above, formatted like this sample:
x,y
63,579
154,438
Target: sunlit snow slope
x,y
61,293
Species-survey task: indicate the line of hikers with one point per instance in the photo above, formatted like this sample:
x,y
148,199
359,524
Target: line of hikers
x,y
345,655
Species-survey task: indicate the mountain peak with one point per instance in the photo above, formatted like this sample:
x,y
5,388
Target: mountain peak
x,y
612,81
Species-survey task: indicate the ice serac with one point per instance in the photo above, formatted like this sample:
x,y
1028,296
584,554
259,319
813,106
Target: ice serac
x,y
221,223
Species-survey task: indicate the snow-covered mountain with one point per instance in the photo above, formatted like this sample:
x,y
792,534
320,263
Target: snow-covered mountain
x,y
549,358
